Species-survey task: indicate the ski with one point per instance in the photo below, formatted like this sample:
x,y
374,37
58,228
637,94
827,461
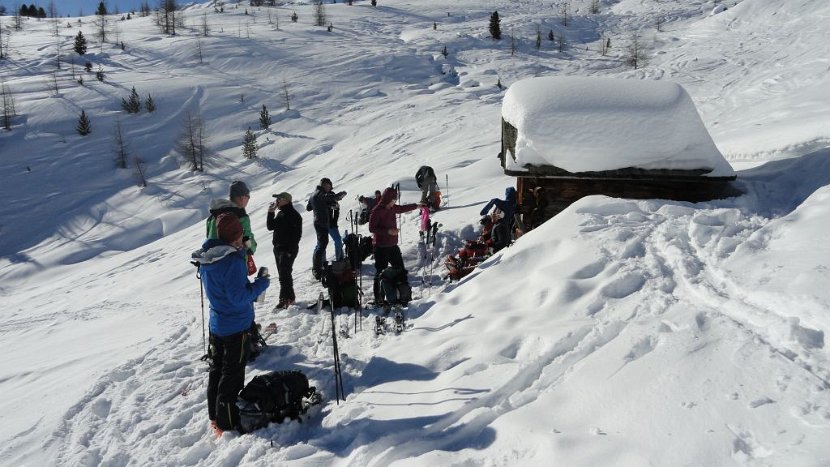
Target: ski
x,y
380,326
400,320
344,328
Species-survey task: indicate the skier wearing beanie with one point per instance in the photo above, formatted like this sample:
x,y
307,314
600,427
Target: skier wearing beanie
x,y
231,295
237,201
326,209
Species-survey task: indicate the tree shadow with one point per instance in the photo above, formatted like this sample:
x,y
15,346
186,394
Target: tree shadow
x,y
380,370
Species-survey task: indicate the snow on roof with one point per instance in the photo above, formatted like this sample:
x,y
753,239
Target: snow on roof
x,y
594,124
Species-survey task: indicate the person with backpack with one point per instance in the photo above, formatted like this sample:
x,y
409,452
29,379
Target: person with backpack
x,y
428,183
324,203
287,226
231,295
239,196
384,229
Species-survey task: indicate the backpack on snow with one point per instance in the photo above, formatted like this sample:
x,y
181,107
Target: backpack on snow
x,y
358,248
352,244
395,286
341,282
273,397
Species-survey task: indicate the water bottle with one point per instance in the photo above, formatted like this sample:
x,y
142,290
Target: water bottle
x,y
263,272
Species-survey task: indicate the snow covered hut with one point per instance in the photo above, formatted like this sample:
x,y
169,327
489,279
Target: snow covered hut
x,y
627,138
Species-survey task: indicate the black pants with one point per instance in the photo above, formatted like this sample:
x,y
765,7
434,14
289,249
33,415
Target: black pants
x,y
285,267
385,256
226,378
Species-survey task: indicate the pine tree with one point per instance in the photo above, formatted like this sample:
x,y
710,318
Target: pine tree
x,y
80,43
191,142
538,38
495,28
319,14
8,106
149,104
249,145
264,118
83,128
131,105
102,9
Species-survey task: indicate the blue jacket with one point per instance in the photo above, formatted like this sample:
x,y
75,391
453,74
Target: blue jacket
x,y
231,296
507,205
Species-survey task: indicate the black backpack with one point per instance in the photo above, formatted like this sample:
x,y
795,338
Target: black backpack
x,y
339,278
358,248
273,397
367,247
395,286
352,244
422,173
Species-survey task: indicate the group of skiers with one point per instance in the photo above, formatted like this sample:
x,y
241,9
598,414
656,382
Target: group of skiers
x,y
226,262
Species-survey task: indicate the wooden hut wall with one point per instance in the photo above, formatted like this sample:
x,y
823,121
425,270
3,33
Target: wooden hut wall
x,y
562,192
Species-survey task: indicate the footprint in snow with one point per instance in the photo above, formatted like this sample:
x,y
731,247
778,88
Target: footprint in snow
x,y
759,402
624,286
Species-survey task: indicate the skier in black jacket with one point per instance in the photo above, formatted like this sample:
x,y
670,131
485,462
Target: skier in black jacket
x,y
288,228
324,203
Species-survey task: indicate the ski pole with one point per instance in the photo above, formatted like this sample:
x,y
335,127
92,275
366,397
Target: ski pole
x,y
447,185
202,295
338,381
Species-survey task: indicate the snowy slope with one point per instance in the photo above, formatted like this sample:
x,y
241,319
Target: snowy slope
x,y
619,333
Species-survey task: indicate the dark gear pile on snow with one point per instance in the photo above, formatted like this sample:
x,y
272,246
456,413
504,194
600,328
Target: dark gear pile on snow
x,y
394,284
273,397
358,248
340,280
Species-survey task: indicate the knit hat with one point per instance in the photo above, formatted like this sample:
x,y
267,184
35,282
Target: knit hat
x,y
325,180
239,189
388,195
228,227
283,195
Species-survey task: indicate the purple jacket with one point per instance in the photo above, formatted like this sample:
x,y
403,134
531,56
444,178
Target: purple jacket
x,y
382,219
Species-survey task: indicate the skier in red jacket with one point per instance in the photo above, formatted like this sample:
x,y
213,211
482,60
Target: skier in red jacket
x,y
385,230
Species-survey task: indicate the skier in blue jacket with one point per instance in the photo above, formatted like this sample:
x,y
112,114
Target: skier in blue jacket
x,y
231,295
